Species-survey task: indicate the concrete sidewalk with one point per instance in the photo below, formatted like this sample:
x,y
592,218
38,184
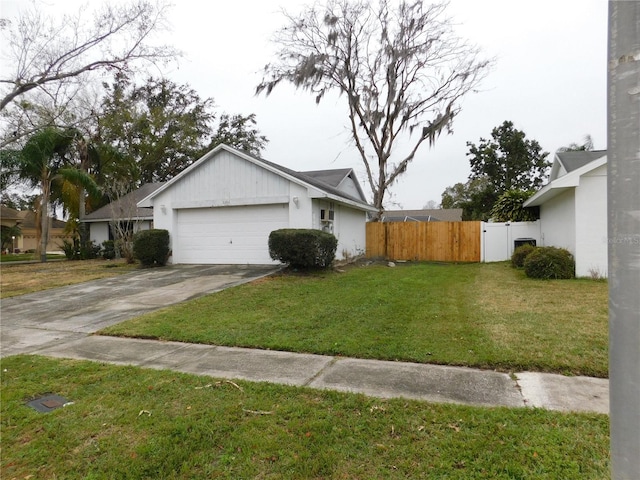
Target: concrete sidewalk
x,y
383,379
59,323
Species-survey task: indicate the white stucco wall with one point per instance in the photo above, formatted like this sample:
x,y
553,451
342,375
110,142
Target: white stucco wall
x,y
300,207
349,227
557,220
99,232
350,230
591,224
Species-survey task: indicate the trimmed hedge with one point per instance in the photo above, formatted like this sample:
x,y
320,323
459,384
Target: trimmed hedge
x,y
151,247
520,254
303,248
550,263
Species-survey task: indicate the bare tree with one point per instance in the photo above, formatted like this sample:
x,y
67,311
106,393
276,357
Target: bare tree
x,y
56,57
124,221
401,69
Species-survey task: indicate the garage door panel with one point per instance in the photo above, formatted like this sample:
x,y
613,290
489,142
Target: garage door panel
x,y
229,234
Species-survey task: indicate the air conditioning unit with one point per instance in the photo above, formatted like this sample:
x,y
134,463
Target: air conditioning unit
x,y
326,215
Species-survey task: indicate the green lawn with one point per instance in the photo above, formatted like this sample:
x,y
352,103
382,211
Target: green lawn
x,y
479,315
26,257
127,422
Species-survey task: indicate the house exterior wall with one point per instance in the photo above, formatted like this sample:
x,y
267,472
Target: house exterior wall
x,y
29,239
349,227
226,181
591,224
557,218
349,187
350,230
300,207
99,231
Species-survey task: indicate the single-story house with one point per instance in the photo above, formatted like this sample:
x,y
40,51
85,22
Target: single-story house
x,y
124,210
425,215
28,238
221,209
573,209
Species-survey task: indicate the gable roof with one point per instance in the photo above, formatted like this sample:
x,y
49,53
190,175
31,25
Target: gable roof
x,y
126,207
336,178
424,215
7,213
567,162
323,189
581,164
26,218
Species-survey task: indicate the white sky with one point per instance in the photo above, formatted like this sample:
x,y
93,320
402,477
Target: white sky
x,y
549,79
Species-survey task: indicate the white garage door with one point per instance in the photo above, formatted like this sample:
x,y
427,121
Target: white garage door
x,y
231,235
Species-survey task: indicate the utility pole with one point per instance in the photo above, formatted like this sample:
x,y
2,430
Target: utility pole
x,y
623,184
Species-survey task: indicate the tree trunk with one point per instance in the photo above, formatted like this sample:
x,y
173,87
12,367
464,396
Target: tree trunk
x,y
44,221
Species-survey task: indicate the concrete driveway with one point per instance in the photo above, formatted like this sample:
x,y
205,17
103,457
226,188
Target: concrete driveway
x,y
39,320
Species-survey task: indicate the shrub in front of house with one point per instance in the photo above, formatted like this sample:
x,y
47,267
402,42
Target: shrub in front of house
x,y
303,248
550,263
520,254
108,250
151,247
75,250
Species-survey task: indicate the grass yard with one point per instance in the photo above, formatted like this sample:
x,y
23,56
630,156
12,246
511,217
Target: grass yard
x,y
28,257
19,279
478,315
127,422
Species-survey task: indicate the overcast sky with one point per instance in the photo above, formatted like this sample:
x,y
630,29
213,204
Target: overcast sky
x,y
549,79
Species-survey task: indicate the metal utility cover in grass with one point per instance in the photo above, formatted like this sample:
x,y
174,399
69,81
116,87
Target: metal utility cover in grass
x,y
47,403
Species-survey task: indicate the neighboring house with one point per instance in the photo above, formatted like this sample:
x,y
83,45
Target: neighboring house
x,y
9,217
573,209
222,208
123,210
426,215
28,238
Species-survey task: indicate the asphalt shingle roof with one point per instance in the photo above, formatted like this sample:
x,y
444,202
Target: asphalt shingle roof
x,y
574,160
126,206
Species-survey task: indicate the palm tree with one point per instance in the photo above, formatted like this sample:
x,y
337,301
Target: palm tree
x,y
586,146
47,163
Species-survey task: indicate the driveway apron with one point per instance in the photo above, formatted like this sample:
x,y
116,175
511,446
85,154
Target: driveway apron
x,y
35,321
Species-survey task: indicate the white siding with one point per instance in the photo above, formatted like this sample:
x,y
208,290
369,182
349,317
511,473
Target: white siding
x,y
226,180
557,218
591,224
349,187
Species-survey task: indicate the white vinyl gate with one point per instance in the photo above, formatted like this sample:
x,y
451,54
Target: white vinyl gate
x,y
498,238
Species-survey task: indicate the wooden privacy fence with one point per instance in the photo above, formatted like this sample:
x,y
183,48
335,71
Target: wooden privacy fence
x,y
424,241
